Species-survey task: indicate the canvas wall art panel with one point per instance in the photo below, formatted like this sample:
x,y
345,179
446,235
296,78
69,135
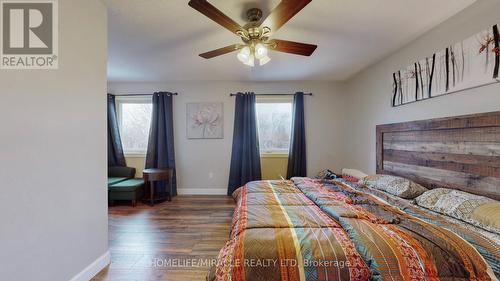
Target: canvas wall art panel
x,y
473,62
205,120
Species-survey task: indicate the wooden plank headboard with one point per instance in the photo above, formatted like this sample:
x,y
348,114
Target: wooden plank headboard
x,y
456,152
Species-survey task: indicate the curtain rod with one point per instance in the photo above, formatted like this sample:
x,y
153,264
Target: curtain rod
x,y
305,94
139,94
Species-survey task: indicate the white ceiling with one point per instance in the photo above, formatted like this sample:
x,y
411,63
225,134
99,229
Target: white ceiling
x,y
159,40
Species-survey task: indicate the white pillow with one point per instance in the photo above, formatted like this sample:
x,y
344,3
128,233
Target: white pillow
x,y
353,175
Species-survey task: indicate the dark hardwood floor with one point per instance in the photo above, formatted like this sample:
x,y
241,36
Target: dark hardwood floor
x,y
170,241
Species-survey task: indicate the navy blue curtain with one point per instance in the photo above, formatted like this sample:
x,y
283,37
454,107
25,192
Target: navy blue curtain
x,y
297,152
160,152
115,149
245,156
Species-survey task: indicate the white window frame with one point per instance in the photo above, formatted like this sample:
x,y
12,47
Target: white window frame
x,y
119,100
274,99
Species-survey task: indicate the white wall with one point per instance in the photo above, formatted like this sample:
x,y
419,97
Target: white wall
x,y
369,92
53,155
197,159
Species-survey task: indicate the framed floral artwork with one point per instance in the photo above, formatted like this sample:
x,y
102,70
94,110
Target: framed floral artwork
x,y
205,120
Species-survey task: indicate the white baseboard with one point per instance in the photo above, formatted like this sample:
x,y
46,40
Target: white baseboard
x,y
90,271
202,191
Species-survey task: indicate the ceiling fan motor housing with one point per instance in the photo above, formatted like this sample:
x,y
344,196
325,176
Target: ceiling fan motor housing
x,y
253,29
254,15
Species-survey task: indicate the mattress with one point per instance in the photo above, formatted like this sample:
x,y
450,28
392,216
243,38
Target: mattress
x,y
307,229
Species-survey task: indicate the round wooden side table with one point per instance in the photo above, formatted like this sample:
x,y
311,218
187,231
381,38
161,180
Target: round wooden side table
x,y
152,175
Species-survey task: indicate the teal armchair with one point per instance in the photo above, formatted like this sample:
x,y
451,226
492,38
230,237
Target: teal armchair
x,y
123,186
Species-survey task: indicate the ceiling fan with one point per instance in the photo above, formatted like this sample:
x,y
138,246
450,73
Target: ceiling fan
x,y
255,34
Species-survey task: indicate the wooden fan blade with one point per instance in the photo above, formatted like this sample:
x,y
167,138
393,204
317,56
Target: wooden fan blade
x,y
214,14
291,47
283,13
221,51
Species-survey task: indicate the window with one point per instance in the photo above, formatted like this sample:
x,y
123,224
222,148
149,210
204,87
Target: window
x,y
274,119
134,119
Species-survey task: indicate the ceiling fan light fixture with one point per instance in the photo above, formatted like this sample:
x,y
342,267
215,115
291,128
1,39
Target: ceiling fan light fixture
x,y
250,61
264,60
248,54
244,54
260,51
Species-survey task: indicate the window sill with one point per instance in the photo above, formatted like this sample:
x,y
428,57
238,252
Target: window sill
x,y
274,155
135,155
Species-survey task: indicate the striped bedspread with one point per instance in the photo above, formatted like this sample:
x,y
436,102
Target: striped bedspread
x,y
307,229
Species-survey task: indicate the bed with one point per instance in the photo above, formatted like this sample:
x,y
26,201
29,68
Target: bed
x,y
310,229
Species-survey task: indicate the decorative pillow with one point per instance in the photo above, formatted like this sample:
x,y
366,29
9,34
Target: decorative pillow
x,y
398,186
429,198
487,215
352,175
474,209
326,175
